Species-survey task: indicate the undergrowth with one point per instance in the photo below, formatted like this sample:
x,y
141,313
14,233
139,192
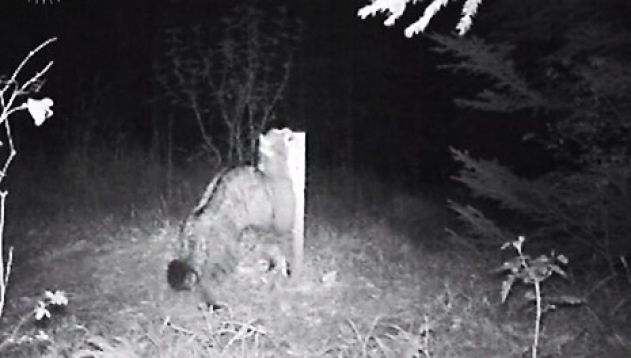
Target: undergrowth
x,y
381,278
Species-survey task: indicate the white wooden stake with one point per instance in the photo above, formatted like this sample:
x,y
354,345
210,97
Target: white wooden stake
x,y
297,168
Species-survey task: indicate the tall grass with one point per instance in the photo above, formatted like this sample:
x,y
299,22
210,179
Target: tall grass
x,y
102,189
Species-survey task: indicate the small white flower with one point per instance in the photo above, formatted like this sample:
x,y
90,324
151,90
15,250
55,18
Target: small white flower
x,y
41,311
39,109
42,336
25,339
57,298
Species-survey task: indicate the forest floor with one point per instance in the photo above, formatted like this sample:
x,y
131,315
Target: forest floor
x,y
381,279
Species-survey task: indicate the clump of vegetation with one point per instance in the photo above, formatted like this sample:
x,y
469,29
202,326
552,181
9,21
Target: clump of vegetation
x,y
576,85
577,88
533,272
51,303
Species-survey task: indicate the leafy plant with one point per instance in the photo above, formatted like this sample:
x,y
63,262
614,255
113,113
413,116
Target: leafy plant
x,y
582,210
580,89
533,272
49,303
396,8
583,84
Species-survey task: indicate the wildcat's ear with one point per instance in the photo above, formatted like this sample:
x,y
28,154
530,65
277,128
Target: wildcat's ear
x,y
263,139
266,147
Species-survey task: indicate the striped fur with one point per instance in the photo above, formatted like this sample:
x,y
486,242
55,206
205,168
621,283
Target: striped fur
x,y
236,199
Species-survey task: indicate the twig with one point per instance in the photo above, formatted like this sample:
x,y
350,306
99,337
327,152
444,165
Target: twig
x,y
13,79
535,343
6,110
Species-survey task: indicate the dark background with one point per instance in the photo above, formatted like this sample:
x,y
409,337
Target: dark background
x,y
368,97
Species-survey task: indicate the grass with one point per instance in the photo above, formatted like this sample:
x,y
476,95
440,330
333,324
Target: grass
x,y
380,278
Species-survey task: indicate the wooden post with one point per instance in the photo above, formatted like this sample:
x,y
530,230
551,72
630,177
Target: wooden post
x,y
296,159
282,158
